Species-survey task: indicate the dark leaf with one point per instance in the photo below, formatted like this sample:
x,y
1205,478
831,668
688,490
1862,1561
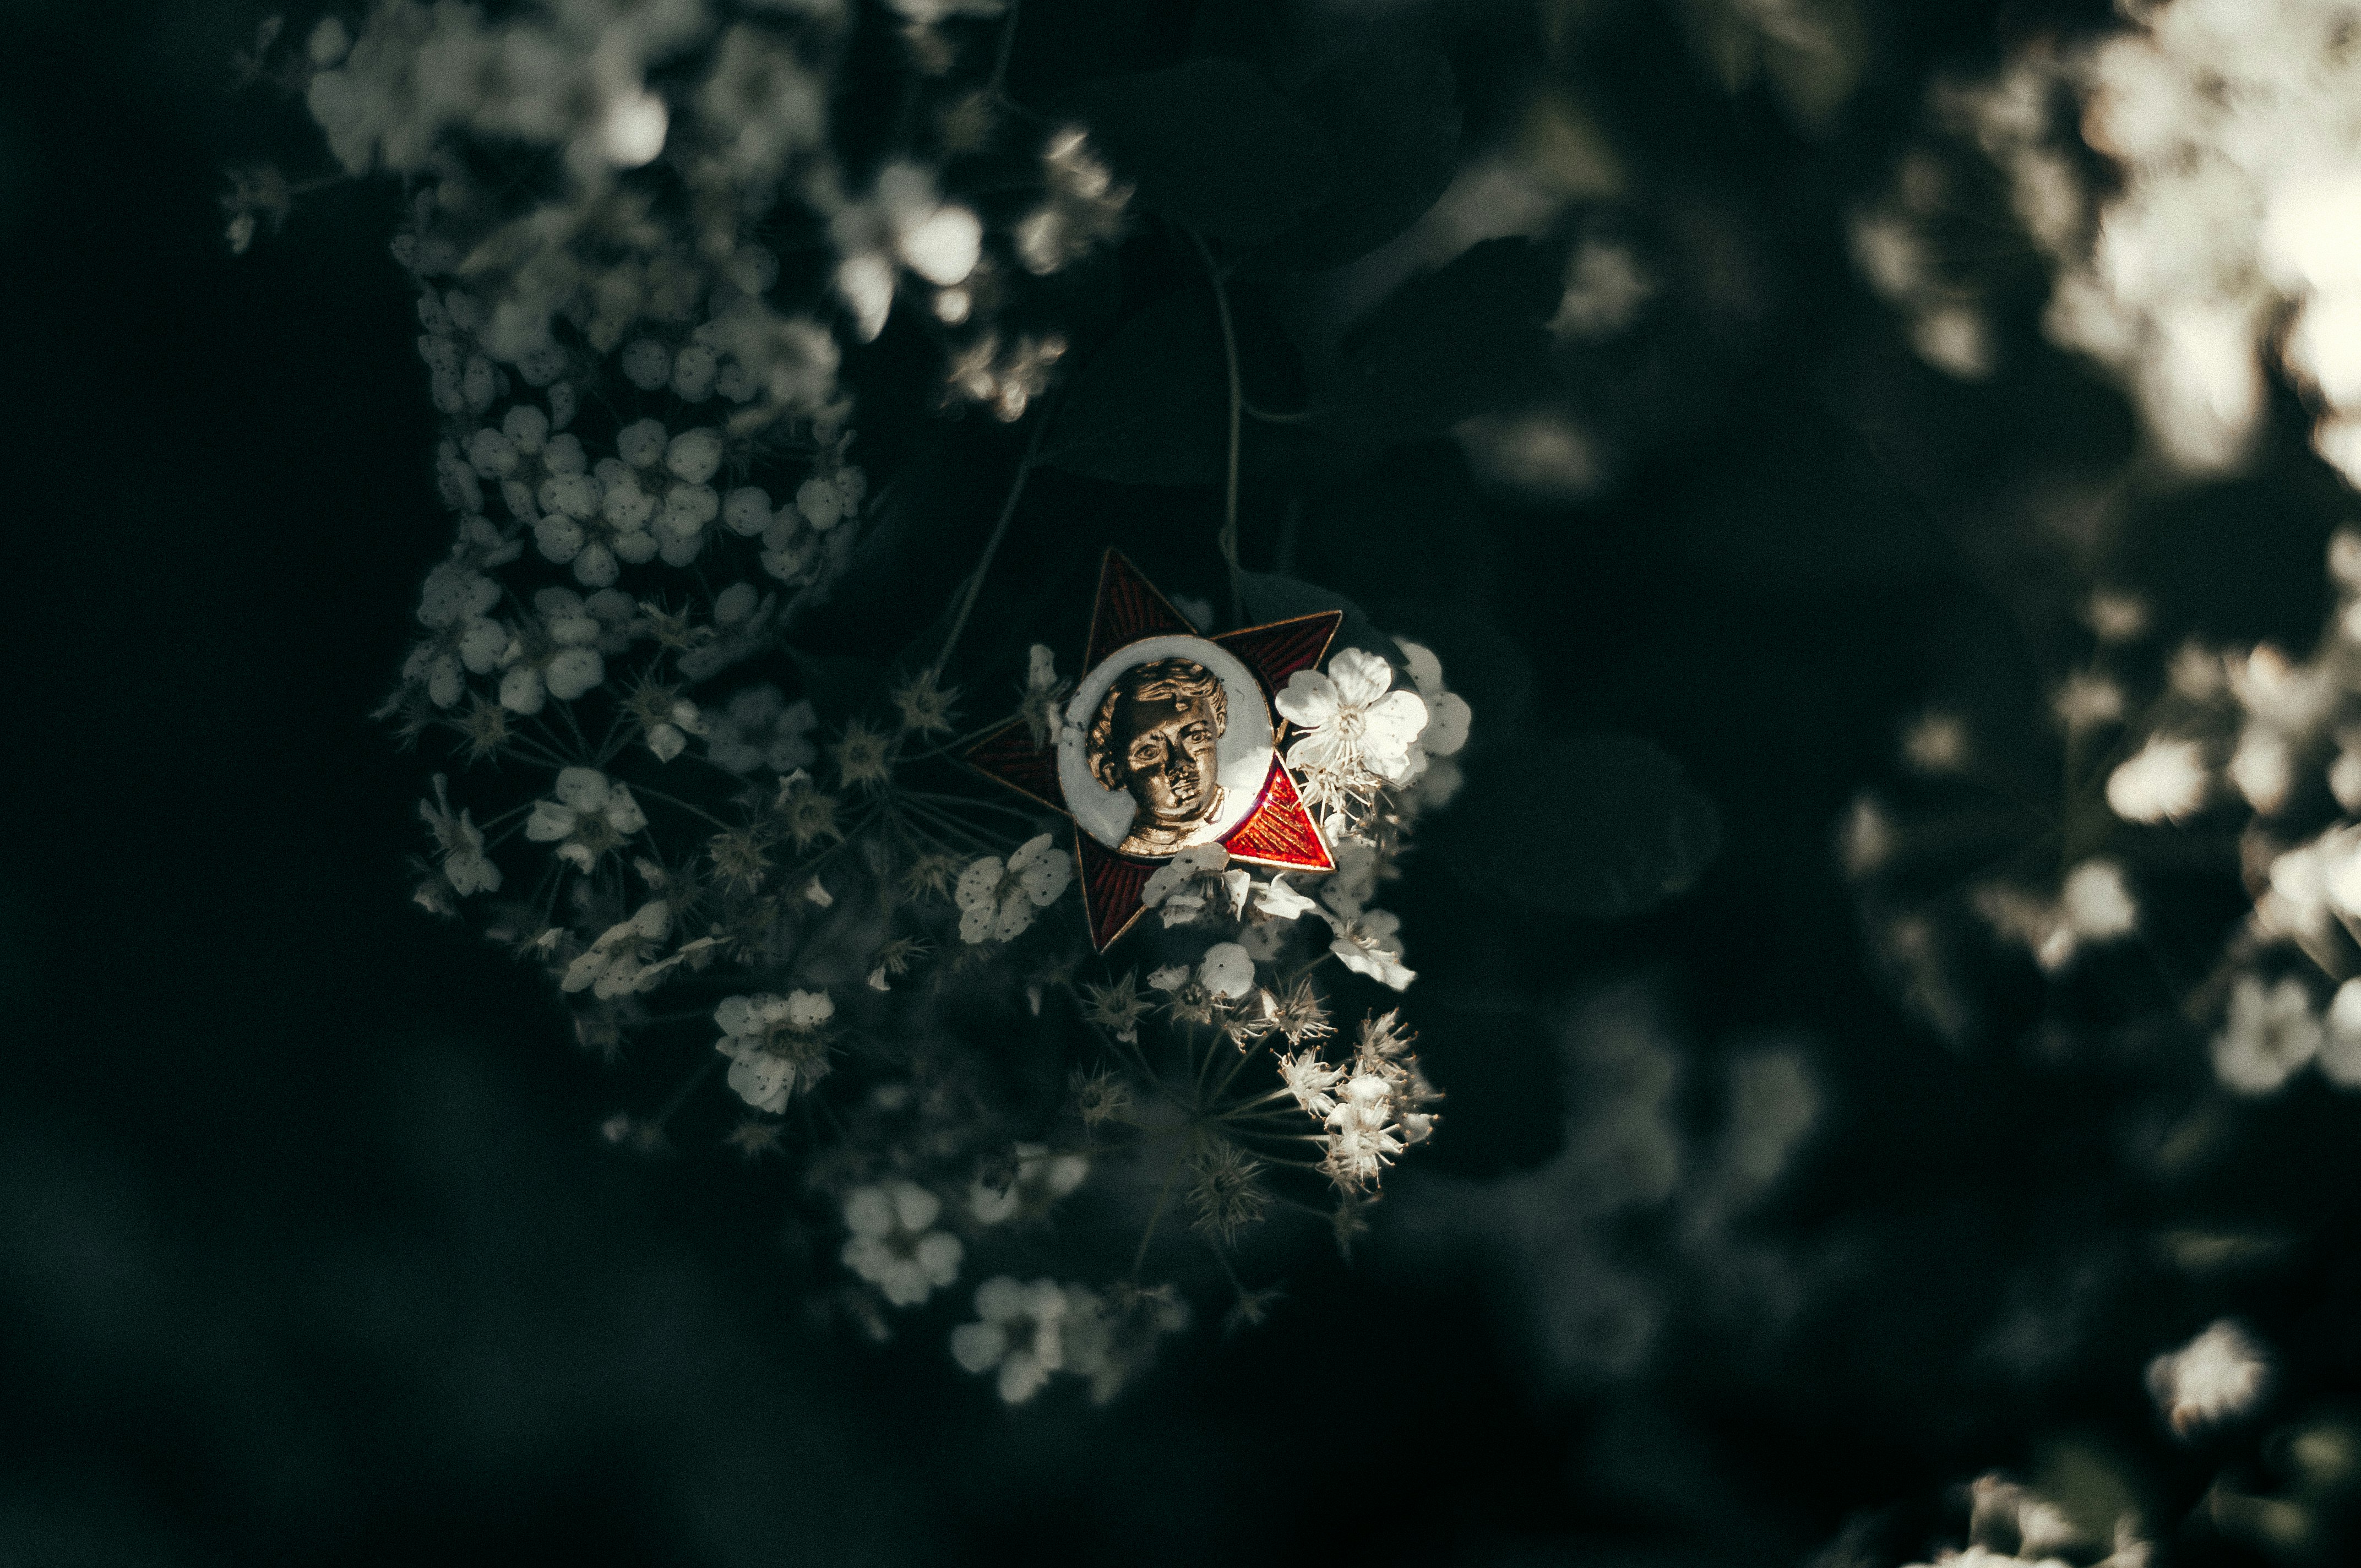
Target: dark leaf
x,y
1598,825
840,689
1396,111
1152,407
1269,596
1450,345
1210,144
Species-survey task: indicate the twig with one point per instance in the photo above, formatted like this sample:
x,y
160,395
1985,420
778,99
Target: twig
x,y
992,546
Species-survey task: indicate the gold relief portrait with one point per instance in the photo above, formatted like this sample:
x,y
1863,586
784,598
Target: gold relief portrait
x,y
1155,737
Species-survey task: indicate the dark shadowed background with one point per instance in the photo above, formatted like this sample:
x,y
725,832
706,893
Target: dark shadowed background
x,y
311,1252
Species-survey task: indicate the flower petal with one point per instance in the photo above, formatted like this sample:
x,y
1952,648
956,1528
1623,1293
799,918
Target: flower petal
x,y
584,789
1309,701
549,822
1361,677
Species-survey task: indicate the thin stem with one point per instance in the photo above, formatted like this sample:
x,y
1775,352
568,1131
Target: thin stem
x,y
964,803
1252,1049
654,794
1163,1197
680,1096
1229,536
992,546
1204,1067
1007,47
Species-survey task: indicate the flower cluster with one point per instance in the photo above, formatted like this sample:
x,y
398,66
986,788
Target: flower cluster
x,y
2250,739
648,255
2189,181
1372,1105
2011,1526
1359,735
1023,1334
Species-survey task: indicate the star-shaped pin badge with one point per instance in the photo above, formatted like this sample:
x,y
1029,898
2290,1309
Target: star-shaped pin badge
x,y
1170,741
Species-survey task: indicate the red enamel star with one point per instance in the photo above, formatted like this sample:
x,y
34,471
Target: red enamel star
x,y
1170,740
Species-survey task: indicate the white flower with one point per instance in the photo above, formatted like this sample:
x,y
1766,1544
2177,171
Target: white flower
x,y
1042,1179
2217,1376
1361,1141
1866,841
616,964
2270,1034
1041,703
904,222
2114,616
2094,905
1936,743
1105,1345
591,815
2338,854
1016,1330
2163,782
694,455
2262,768
769,1041
1085,207
996,901
1447,713
1367,945
560,653
1987,1557
2296,904
2086,700
1226,971
462,843
828,498
1349,718
758,731
2340,1047
892,1245
1172,887
1171,976
629,130
1310,1079
466,640
1274,900
668,736
1350,885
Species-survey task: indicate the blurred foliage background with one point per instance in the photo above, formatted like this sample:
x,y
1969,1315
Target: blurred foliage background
x,y
310,1251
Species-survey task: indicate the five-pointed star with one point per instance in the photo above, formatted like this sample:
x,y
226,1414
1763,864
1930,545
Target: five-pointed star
x,y
1277,832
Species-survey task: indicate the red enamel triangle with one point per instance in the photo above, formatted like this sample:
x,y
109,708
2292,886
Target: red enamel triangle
x,y
1278,832
1111,886
1128,609
1277,651
1007,753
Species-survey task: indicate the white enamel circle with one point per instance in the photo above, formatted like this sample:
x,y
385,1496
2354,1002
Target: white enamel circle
x,y
1242,757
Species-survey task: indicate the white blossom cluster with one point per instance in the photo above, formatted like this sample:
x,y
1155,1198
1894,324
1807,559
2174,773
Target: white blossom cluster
x,y
645,248
2011,1526
2218,1377
1359,736
2251,745
1024,1335
1971,854
2221,1376
1372,1105
2193,181
2272,743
